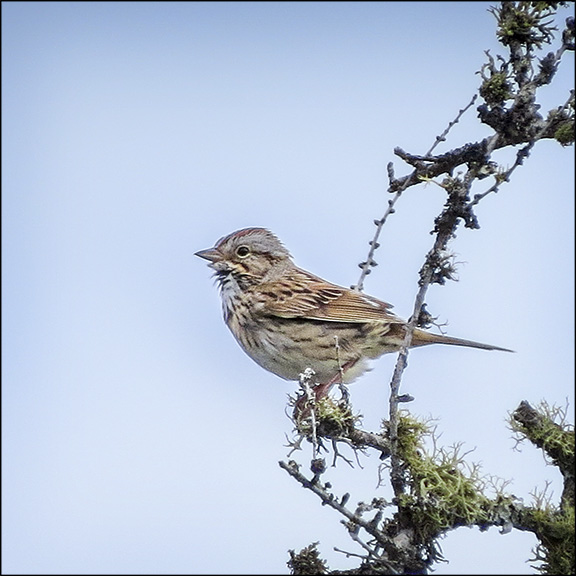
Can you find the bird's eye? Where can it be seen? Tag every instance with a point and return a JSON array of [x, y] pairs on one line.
[[242, 251]]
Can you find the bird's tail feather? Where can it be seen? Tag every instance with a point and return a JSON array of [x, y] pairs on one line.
[[422, 338]]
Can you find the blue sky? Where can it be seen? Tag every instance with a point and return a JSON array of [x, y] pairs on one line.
[[137, 436]]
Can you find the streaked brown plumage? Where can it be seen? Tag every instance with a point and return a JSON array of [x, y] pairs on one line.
[[287, 319]]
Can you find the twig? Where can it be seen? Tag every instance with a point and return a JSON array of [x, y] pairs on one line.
[[329, 499], [370, 262], [305, 378], [521, 155], [341, 386]]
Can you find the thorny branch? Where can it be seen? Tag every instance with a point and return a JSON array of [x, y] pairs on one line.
[[367, 265], [322, 491]]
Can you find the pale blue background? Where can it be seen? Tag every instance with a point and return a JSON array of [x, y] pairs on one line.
[[137, 437]]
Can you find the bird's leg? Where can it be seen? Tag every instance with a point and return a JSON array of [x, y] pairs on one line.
[[321, 390], [303, 404]]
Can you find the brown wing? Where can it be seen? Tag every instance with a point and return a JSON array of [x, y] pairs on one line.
[[304, 295]]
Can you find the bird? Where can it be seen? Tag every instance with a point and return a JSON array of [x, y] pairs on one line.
[[289, 320]]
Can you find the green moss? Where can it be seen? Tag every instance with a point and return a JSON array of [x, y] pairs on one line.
[[307, 561], [442, 493], [547, 430], [495, 90], [565, 133], [524, 22], [333, 419], [517, 28], [555, 530]]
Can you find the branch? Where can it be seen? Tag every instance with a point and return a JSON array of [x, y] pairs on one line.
[[555, 439]]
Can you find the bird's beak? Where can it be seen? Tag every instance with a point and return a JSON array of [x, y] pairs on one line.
[[210, 254]]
